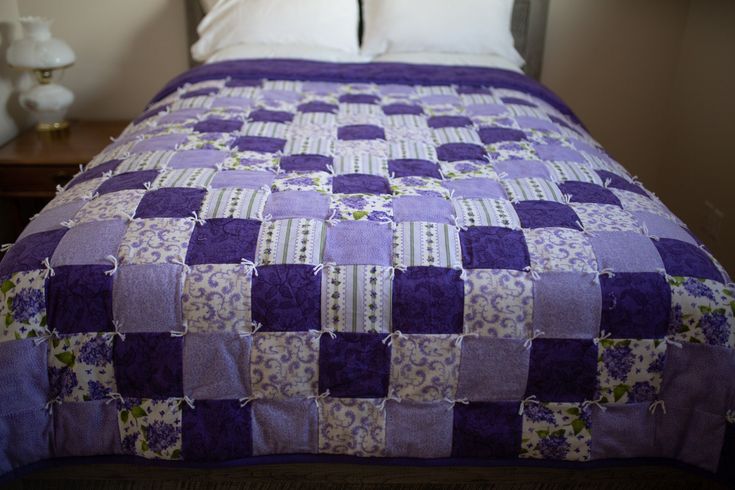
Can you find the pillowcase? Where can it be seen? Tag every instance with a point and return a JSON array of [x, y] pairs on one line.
[[452, 59], [271, 51], [328, 24], [443, 26]]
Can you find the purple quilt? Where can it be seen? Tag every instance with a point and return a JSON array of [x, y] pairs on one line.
[[379, 260]]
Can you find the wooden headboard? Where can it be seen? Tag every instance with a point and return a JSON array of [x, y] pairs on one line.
[[528, 26]]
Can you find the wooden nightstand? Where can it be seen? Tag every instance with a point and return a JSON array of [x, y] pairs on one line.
[[33, 164]]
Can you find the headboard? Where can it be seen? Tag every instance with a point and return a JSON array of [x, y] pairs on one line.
[[528, 26]]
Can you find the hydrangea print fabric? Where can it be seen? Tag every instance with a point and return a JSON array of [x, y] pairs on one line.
[[375, 260]]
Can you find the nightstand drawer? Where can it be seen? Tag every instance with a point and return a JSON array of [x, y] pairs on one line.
[[34, 181]]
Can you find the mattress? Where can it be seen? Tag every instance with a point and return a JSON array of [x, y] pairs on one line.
[[381, 260]]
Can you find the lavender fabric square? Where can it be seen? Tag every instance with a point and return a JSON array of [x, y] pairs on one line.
[[127, 181], [486, 430], [531, 122], [28, 254], [491, 247], [453, 152], [684, 259], [492, 369], [428, 300], [661, 227], [25, 437], [287, 298], [24, 383], [360, 132], [306, 163], [246, 179], [86, 429], [546, 214], [562, 370], [558, 153], [264, 115], [200, 92], [318, 106], [360, 184], [418, 430], [409, 168], [567, 305], [618, 182], [625, 251], [148, 365], [520, 169], [359, 243], [170, 202], [286, 426], [75, 248], [50, 219], [217, 125], [197, 158], [223, 241], [490, 136], [586, 192], [399, 109], [234, 104], [692, 436], [613, 428], [428, 209], [635, 305], [259, 144], [355, 365], [79, 299], [437, 122], [147, 298], [486, 109], [94, 172], [476, 188], [216, 430], [216, 366], [297, 204], [160, 143]]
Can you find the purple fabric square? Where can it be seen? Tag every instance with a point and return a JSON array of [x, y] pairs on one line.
[[402, 109], [359, 243], [233, 104], [25, 437], [486, 109], [246, 179], [216, 125], [258, 144], [215, 365], [170, 202], [661, 227], [497, 135], [150, 113], [181, 116], [476, 188], [127, 181], [492, 369], [306, 163], [625, 251], [216, 430], [517, 101], [79, 299], [520, 169], [86, 428], [546, 214], [160, 143], [147, 298], [94, 172], [558, 153], [453, 152], [567, 305], [318, 106], [76, 248], [437, 122], [684, 259], [355, 365], [617, 182], [410, 168], [562, 370], [264, 115], [24, 382], [473, 90], [197, 158], [148, 365], [286, 298], [360, 132], [530, 122], [360, 184], [199, 92], [359, 99], [487, 430], [586, 192], [418, 430], [428, 300], [243, 82], [297, 204], [692, 436], [635, 305], [28, 254], [50, 219], [287, 426], [614, 426], [223, 241], [491, 247], [422, 208]]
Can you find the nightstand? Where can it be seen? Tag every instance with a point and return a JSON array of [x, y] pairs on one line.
[[33, 164]]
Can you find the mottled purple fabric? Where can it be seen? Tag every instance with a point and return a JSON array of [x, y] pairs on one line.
[[297, 204], [486, 430], [449, 122], [170, 202], [558, 153], [661, 227], [567, 305], [428, 300], [86, 428], [361, 132], [94, 172], [617, 182], [258, 144], [684, 259], [491, 247], [160, 143], [200, 92], [418, 430], [51, 219], [492, 369], [215, 367], [562, 370], [546, 214], [625, 251], [422, 208], [217, 125], [360, 184], [287, 426], [223, 241], [264, 115], [519, 169], [216, 430], [79, 299], [317, 106], [148, 365], [586, 192], [198, 158], [493, 135], [615, 426], [359, 243], [358, 99], [306, 163], [287, 298], [246, 179], [452, 152], [476, 187], [75, 248], [24, 382], [402, 109], [147, 298], [25, 437], [127, 181], [411, 167], [28, 254], [635, 305], [355, 365]]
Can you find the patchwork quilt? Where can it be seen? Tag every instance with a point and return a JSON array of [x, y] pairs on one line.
[[378, 260]]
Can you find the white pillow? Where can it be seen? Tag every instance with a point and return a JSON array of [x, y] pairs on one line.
[[453, 59], [328, 24], [270, 51], [444, 26]]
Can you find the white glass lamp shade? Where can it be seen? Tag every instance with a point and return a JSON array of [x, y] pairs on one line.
[[37, 49]]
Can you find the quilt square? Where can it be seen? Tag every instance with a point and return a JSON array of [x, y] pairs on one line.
[[360, 163], [242, 179], [418, 430], [353, 426], [215, 366], [305, 163], [51, 219], [149, 160], [358, 243], [585, 192], [360, 184], [532, 189], [159, 143], [422, 208], [426, 244], [491, 135], [684, 259], [114, 205], [498, 303], [556, 431], [185, 178], [291, 241], [546, 214], [216, 430], [567, 305], [356, 298], [486, 430], [265, 115], [127, 181], [625, 251], [436, 122], [86, 428], [660, 227], [614, 426], [359, 99], [492, 369], [425, 368], [317, 106], [562, 370], [361, 132], [156, 241], [559, 250], [418, 186], [223, 241], [558, 153], [94, 172], [258, 144], [28, 253], [428, 300], [287, 298], [150, 428], [397, 109], [79, 299], [629, 371], [491, 247], [80, 367], [411, 150], [76, 248], [467, 137], [354, 365], [703, 311], [476, 188], [635, 305], [22, 305], [29, 435], [467, 170], [512, 152], [578, 172], [234, 203], [486, 212], [362, 207], [615, 181], [413, 167], [452, 152], [217, 125], [522, 169], [149, 365], [170, 203], [198, 159], [146, 298], [287, 426], [605, 218], [284, 364], [216, 298]]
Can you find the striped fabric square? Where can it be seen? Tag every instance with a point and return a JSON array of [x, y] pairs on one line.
[[192, 103], [324, 119], [523, 110], [426, 244], [284, 85], [443, 136], [356, 298], [234, 202], [291, 241], [411, 149], [361, 163], [151, 160], [561, 172], [308, 145], [186, 177], [532, 189], [405, 121], [243, 92], [486, 212], [265, 130]]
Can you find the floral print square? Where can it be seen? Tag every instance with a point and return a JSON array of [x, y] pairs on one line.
[[556, 431], [467, 170], [511, 150], [22, 305], [703, 311], [498, 303], [604, 217], [156, 241], [356, 298], [291, 241], [217, 298], [362, 207], [424, 368], [80, 367], [629, 371], [418, 186], [306, 181], [114, 205], [284, 364], [151, 428], [559, 250], [354, 426]]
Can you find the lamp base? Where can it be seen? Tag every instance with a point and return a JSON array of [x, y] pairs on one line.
[[48, 102], [46, 127]]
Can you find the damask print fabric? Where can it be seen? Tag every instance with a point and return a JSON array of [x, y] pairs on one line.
[[375, 260]]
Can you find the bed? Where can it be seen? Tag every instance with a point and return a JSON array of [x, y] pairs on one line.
[[284, 262]]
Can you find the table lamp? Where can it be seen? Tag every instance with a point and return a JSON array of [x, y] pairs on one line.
[[41, 53]]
